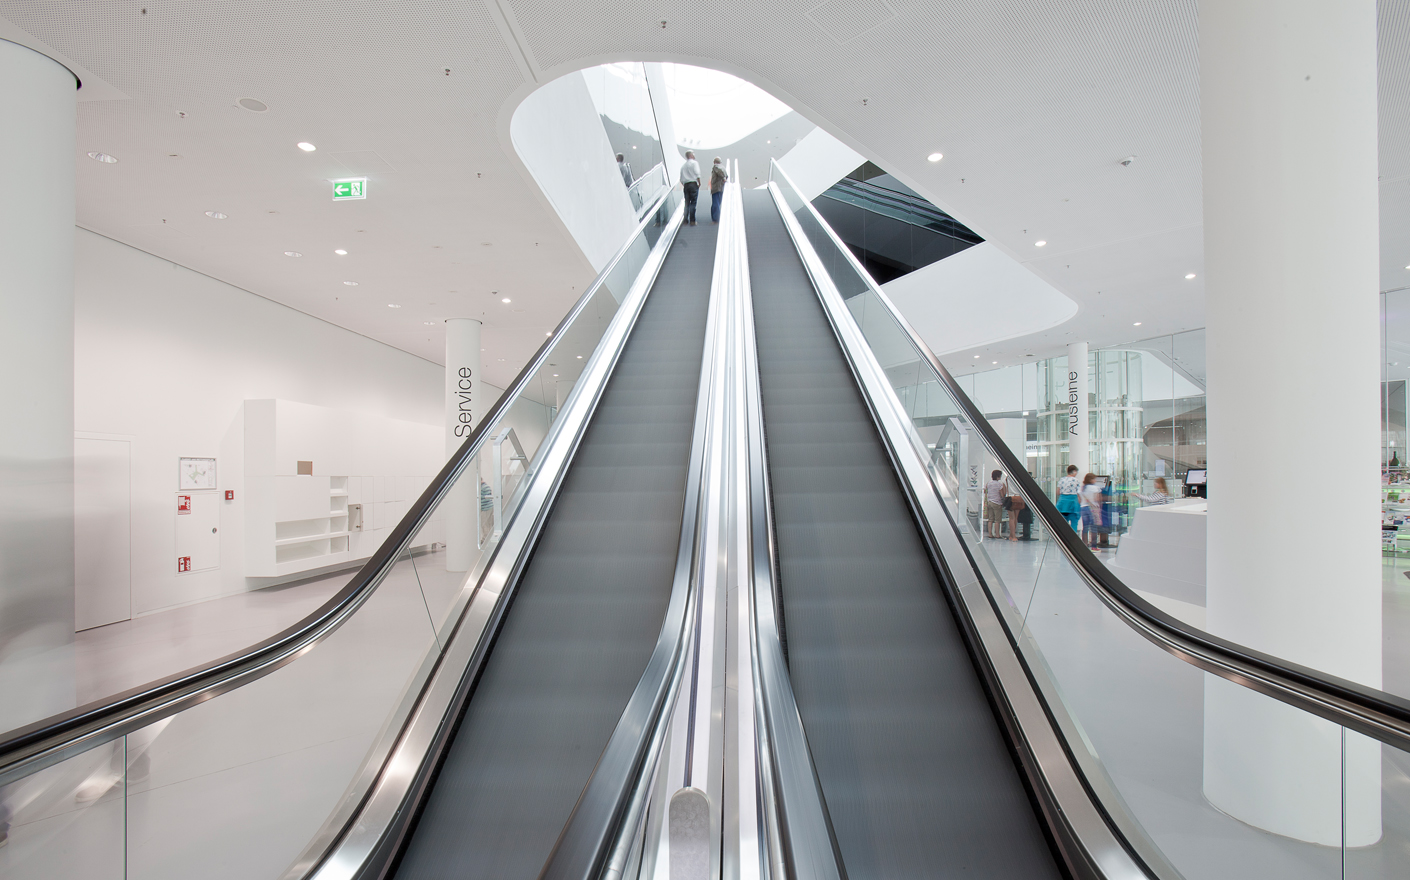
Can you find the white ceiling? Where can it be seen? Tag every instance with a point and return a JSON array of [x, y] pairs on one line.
[[1033, 104]]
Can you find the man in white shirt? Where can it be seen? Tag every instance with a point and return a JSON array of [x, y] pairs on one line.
[[690, 182]]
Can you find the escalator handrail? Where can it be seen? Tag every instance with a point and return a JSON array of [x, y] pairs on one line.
[[30, 748], [1367, 710]]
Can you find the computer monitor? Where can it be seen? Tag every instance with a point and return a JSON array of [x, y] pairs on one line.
[[1196, 476]]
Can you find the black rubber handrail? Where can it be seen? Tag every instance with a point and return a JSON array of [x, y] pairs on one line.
[[1369, 711], [27, 749]]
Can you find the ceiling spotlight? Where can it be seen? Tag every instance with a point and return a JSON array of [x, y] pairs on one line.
[[292, 254], [1039, 243], [994, 362], [550, 333], [340, 252], [350, 283], [1137, 324], [306, 146], [505, 300], [103, 157], [393, 306], [1025, 412], [580, 357], [976, 357], [216, 215], [1190, 277], [934, 157], [555, 375]]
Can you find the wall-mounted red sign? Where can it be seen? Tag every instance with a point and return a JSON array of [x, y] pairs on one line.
[[183, 503], [229, 494], [183, 563]]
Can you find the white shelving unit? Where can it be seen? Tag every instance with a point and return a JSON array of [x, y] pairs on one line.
[[299, 522]]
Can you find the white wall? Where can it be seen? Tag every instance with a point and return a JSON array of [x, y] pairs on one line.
[[559, 135], [818, 161], [167, 356], [977, 297]]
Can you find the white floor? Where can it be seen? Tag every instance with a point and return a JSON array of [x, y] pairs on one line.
[[1143, 712]]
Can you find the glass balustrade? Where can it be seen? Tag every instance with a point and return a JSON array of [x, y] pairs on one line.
[[1223, 781]]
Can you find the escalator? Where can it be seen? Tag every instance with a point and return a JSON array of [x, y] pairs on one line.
[[724, 615], [588, 608], [914, 768]]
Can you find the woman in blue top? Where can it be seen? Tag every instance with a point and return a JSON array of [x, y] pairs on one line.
[[1067, 502]]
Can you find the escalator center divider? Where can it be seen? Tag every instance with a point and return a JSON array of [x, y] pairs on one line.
[[588, 607]]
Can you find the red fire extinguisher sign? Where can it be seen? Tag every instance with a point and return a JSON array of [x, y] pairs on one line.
[[183, 504], [183, 563]]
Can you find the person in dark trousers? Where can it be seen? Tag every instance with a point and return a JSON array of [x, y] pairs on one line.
[[718, 178], [626, 171], [690, 182]]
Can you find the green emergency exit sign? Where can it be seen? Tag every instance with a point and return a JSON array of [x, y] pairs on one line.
[[352, 188]]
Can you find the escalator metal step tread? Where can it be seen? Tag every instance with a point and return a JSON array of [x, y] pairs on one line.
[[914, 768], [589, 608]]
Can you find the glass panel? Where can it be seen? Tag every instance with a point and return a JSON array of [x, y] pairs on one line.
[[1377, 800], [239, 785], [623, 101], [67, 820]]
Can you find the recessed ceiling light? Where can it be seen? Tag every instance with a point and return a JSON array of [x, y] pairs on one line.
[[995, 362], [1192, 275], [935, 157], [555, 375], [254, 105], [306, 146], [350, 283], [432, 324], [340, 252], [505, 300], [580, 357], [103, 157], [1039, 243], [548, 333], [1137, 324], [1025, 412], [976, 357], [216, 215], [292, 254], [393, 306]]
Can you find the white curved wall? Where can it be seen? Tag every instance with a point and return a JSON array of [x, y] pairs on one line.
[[977, 297]]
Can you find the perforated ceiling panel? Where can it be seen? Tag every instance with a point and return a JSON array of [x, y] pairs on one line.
[[1033, 103]]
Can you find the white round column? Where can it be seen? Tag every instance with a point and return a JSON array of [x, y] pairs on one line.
[[37, 125], [1078, 434], [1291, 232], [463, 410]]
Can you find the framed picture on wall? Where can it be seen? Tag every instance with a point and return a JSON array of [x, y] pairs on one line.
[[196, 473]]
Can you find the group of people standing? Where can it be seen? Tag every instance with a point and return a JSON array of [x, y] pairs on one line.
[[1080, 501], [690, 182]]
